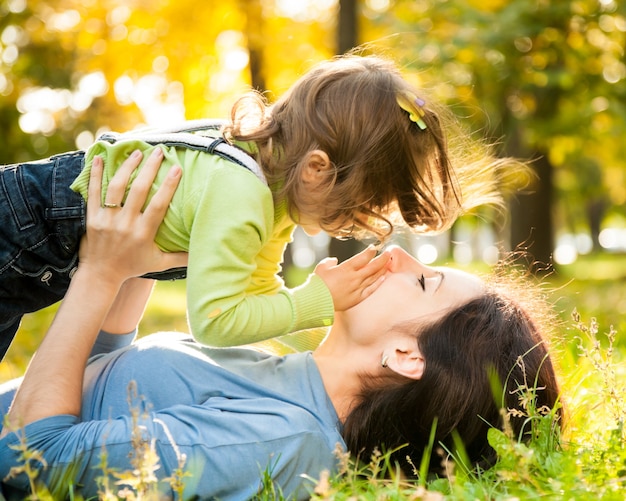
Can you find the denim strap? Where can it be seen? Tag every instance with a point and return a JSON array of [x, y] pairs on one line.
[[183, 136]]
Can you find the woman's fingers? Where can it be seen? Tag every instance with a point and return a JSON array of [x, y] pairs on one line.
[[156, 209], [117, 185], [120, 241], [143, 182], [94, 191]]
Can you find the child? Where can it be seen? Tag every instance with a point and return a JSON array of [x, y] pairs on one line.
[[350, 149]]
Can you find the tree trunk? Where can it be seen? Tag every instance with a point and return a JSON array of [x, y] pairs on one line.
[[253, 30], [347, 27], [531, 218], [596, 209]]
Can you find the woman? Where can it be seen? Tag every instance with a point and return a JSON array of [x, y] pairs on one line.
[[421, 346]]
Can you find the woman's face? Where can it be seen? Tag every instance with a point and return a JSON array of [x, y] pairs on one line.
[[411, 291]]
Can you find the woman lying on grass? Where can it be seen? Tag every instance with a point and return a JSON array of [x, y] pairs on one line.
[[425, 346]]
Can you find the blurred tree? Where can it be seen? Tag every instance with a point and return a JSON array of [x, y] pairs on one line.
[[347, 26], [547, 77], [253, 30], [72, 68], [35, 63], [89, 66]]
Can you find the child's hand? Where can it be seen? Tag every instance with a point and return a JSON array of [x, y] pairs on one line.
[[355, 279]]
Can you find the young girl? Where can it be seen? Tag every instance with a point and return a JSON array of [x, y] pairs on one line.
[[351, 149]]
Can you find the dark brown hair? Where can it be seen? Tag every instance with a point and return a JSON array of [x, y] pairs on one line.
[[386, 169], [490, 336]]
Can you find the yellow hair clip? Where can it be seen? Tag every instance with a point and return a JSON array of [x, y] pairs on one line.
[[413, 105]]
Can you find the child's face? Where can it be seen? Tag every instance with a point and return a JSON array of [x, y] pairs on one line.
[[309, 224]]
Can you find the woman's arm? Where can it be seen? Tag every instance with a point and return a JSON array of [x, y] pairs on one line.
[[119, 245], [119, 328], [129, 306]]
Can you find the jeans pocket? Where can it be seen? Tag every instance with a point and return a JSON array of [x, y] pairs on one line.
[[31, 283]]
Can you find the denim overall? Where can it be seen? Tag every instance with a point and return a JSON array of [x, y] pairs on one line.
[[42, 221]]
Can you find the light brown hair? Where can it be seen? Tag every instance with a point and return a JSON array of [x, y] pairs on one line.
[[386, 169]]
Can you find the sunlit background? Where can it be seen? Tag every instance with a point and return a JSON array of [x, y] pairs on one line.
[[542, 79], [545, 80]]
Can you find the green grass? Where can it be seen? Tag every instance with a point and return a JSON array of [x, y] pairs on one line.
[[596, 287], [589, 464]]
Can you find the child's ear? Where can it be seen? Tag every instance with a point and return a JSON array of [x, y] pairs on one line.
[[317, 165]]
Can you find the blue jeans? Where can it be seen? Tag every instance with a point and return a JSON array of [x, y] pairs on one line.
[[41, 224]]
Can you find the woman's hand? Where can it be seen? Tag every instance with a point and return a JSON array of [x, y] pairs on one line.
[[119, 243]]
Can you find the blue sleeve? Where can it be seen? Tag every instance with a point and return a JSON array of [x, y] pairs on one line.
[[107, 342], [246, 437]]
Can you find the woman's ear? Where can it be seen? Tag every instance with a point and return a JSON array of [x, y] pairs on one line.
[[407, 362], [317, 165]]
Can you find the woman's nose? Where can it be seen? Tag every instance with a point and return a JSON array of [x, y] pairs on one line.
[[400, 260]]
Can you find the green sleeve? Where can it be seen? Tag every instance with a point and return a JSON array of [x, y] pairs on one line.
[[234, 293]]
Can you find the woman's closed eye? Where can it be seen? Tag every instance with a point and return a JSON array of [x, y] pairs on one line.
[[422, 281]]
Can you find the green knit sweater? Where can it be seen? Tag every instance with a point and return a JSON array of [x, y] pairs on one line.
[[225, 217]]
